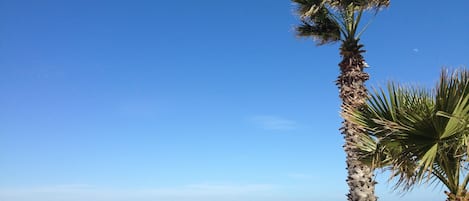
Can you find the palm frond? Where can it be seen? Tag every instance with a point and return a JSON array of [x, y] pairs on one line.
[[307, 6], [322, 33], [329, 20], [421, 136], [361, 4], [317, 22]]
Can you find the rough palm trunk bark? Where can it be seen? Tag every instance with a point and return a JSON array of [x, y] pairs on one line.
[[352, 91]]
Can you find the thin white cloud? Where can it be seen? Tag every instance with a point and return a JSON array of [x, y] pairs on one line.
[[270, 122], [415, 50]]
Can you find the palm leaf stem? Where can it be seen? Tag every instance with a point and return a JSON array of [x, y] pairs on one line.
[[356, 22], [465, 181], [442, 179], [341, 23]]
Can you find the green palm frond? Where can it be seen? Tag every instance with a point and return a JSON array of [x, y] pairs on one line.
[[322, 33], [362, 4], [420, 135], [317, 22], [308, 7], [327, 21]]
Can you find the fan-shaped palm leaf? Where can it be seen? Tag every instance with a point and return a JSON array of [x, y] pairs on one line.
[[419, 135]]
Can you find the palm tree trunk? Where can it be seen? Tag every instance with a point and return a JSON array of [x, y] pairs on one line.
[[352, 91]]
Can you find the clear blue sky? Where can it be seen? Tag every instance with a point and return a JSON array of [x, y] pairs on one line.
[[193, 100]]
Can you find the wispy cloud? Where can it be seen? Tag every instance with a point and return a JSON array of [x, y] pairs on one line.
[[270, 122], [415, 50]]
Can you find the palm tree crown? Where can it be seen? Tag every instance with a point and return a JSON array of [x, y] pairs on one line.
[[419, 135], [328, 21]]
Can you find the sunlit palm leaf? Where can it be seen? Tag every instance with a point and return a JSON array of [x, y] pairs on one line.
[[423, 136]]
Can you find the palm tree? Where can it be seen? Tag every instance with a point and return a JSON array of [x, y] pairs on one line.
[[419, 135], [329, 21]]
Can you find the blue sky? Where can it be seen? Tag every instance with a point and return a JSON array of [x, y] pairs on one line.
[[193, 100]]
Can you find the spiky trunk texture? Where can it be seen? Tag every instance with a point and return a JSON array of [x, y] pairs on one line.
[[352, 91]]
